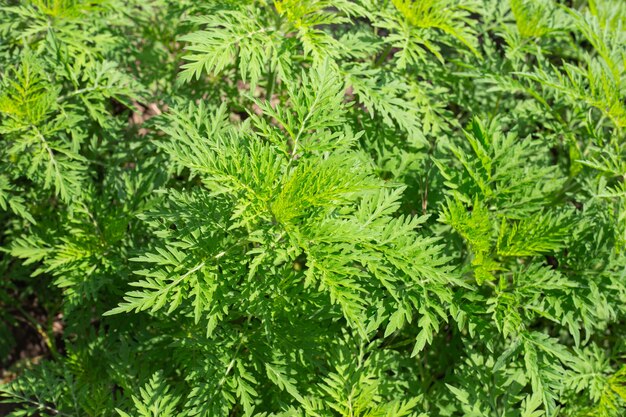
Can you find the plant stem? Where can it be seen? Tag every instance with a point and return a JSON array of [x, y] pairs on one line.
[[382, 56], [271, 80]]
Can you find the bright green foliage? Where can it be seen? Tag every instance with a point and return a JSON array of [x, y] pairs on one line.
[[350, 208]]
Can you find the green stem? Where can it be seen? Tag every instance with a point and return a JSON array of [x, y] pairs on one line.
[[28, 318], [382, 56], [271, 80]]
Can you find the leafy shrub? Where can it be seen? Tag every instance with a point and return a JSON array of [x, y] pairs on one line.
[[314, 208]]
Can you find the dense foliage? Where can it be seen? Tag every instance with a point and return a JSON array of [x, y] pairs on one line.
[[313, 207]]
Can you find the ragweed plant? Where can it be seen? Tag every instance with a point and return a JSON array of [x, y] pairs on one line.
[[313, 208]]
